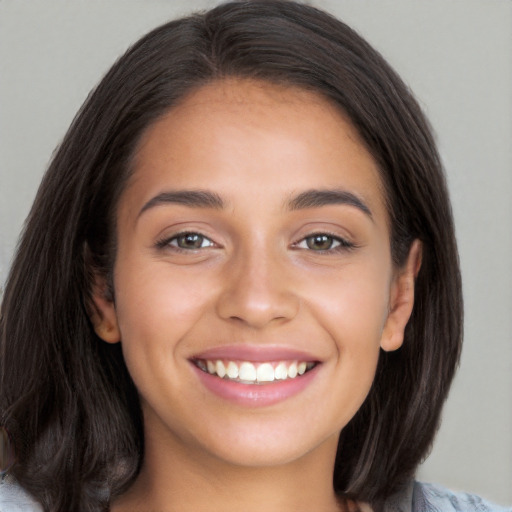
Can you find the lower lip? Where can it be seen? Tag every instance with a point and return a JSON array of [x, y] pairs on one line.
[[256, 395]]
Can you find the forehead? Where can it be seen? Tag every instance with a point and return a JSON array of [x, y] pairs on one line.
[[249, 104], [238, 133]]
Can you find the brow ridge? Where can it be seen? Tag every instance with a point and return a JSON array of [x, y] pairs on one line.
[[190, 198], [316, 198]]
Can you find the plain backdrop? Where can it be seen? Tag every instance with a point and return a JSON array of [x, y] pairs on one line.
[[457, 57]]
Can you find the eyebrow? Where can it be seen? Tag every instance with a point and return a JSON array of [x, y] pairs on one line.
[[318, 198], [190, 198], [307, 199]]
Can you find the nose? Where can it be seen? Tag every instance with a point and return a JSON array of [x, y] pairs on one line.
[[258, 291]]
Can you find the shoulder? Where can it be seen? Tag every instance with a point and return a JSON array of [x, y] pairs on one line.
[[13, 498], [436, 498], [421, 497]]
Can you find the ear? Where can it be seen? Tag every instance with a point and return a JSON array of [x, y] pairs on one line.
[[102, 312], [401, 300]]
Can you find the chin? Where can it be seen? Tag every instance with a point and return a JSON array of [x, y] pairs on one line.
[[267, 447]]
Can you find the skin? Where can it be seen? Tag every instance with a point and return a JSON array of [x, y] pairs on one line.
[[254, 281]]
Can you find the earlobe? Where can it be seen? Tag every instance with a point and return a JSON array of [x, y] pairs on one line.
[[102, 313], [401, 300]]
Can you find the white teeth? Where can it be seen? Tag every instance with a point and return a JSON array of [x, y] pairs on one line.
[[265, 373], [220, 369], [281, 371], [232, 370], [254, 373], [247, 372], [292, 371]]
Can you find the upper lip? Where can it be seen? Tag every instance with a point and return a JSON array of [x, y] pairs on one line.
[[255, 353]]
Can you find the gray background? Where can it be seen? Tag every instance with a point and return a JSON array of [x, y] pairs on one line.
[[455, 55]]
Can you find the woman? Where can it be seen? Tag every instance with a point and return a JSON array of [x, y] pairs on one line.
[[238, 284]]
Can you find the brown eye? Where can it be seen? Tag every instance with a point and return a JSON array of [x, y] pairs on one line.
[[324, 243], [190, 241], [320, 242]]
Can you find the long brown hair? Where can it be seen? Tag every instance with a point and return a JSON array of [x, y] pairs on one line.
[[66, 397]]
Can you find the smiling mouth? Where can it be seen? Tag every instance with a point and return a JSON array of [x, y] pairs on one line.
[[247, 372]]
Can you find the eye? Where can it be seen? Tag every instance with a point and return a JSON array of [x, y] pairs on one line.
[[186, 241], [323, 242]]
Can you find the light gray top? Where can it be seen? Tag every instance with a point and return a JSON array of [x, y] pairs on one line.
[[13, 498], [418, 497], [421, 497]]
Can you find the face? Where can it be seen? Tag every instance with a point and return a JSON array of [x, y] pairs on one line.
[[254, 286]]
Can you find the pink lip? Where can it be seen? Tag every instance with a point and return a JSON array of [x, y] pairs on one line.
[[256, 354], [255, 395]]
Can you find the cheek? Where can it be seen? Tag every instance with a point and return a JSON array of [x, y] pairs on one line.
[[156, 309], [352, 304], [158, 305]]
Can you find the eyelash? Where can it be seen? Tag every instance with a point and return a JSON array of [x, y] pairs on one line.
[[343, 244]]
